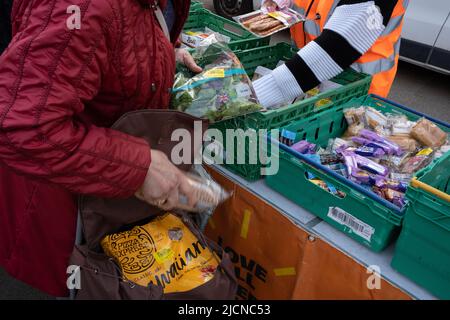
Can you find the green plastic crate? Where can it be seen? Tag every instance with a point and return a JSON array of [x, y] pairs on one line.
[[241, 39], [422, 251], [354, 85], [370, 219], [195, 5]]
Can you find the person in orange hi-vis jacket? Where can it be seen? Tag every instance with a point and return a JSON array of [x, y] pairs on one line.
[[337, 34]]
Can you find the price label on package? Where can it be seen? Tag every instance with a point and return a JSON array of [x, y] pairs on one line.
[[215, 73]]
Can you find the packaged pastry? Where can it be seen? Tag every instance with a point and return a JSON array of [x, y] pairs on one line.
[[355, 115], [404, 142], [353, 130], [428, 134], [375, 118], [263, 23]]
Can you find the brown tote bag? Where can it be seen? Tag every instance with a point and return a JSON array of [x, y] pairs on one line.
[[100, 276]]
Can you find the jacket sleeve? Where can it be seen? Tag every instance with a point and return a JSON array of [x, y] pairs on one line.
[[48, 75], [351, 30]]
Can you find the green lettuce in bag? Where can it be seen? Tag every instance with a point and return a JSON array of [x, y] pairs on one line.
[[221, 91]]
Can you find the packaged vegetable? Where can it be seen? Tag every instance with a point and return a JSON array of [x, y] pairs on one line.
[[428, 134], [263, 23], [221, 91], [163, 252]]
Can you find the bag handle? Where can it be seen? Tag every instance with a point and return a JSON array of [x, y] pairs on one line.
[[161, 20]]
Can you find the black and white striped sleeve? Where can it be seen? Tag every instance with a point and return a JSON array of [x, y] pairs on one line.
[[350, 31]]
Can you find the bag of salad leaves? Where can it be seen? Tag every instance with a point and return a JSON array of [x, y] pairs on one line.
[[221, 91]]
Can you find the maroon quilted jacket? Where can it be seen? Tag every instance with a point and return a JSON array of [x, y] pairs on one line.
[[60, 90]]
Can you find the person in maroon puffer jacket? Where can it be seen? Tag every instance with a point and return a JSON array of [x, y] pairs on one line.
[[60, 89]]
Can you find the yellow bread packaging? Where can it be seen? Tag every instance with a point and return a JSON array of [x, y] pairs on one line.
[[162, 252]]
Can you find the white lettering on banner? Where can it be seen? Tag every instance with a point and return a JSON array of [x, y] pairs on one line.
[[242, 147], [374, 279], [74, 21], [74, 279], [357, 226]]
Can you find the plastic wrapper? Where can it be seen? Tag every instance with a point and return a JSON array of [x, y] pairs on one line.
[[287, 137], [392, 184], [428, 134], [263, 23], [329, 159], [353, 130], [376, 145], [418, 161], [364, 177], [392, 147], [327, 186], [260, 72], [209, 194], [370, 151], [404, 178], [196, 38], [163, 252], [371, 166], [375, 118], [401, 127], [304, 146], [396, 162], [221, 91], [440, 152], [337, 144], [355, 115], [396, 197], [404, 142]]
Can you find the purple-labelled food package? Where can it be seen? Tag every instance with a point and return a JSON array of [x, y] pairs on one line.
[[392, 184], [350, 162], [327, 159], [371, 166], [369, 143], [367, 151], [304, 147], [377, 138], [365, 177]]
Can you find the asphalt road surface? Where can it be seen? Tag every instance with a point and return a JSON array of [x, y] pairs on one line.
[[420, 89]]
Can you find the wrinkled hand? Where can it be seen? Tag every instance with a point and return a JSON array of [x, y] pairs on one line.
[[184, 57], [164, 183]]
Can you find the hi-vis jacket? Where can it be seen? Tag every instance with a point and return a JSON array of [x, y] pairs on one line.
[[380, 60]]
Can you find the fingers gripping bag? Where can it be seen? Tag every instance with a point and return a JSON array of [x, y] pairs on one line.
[[221, 91], [163, 252]]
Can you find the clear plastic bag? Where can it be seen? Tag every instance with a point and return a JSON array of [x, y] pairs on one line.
[[221, 91]]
